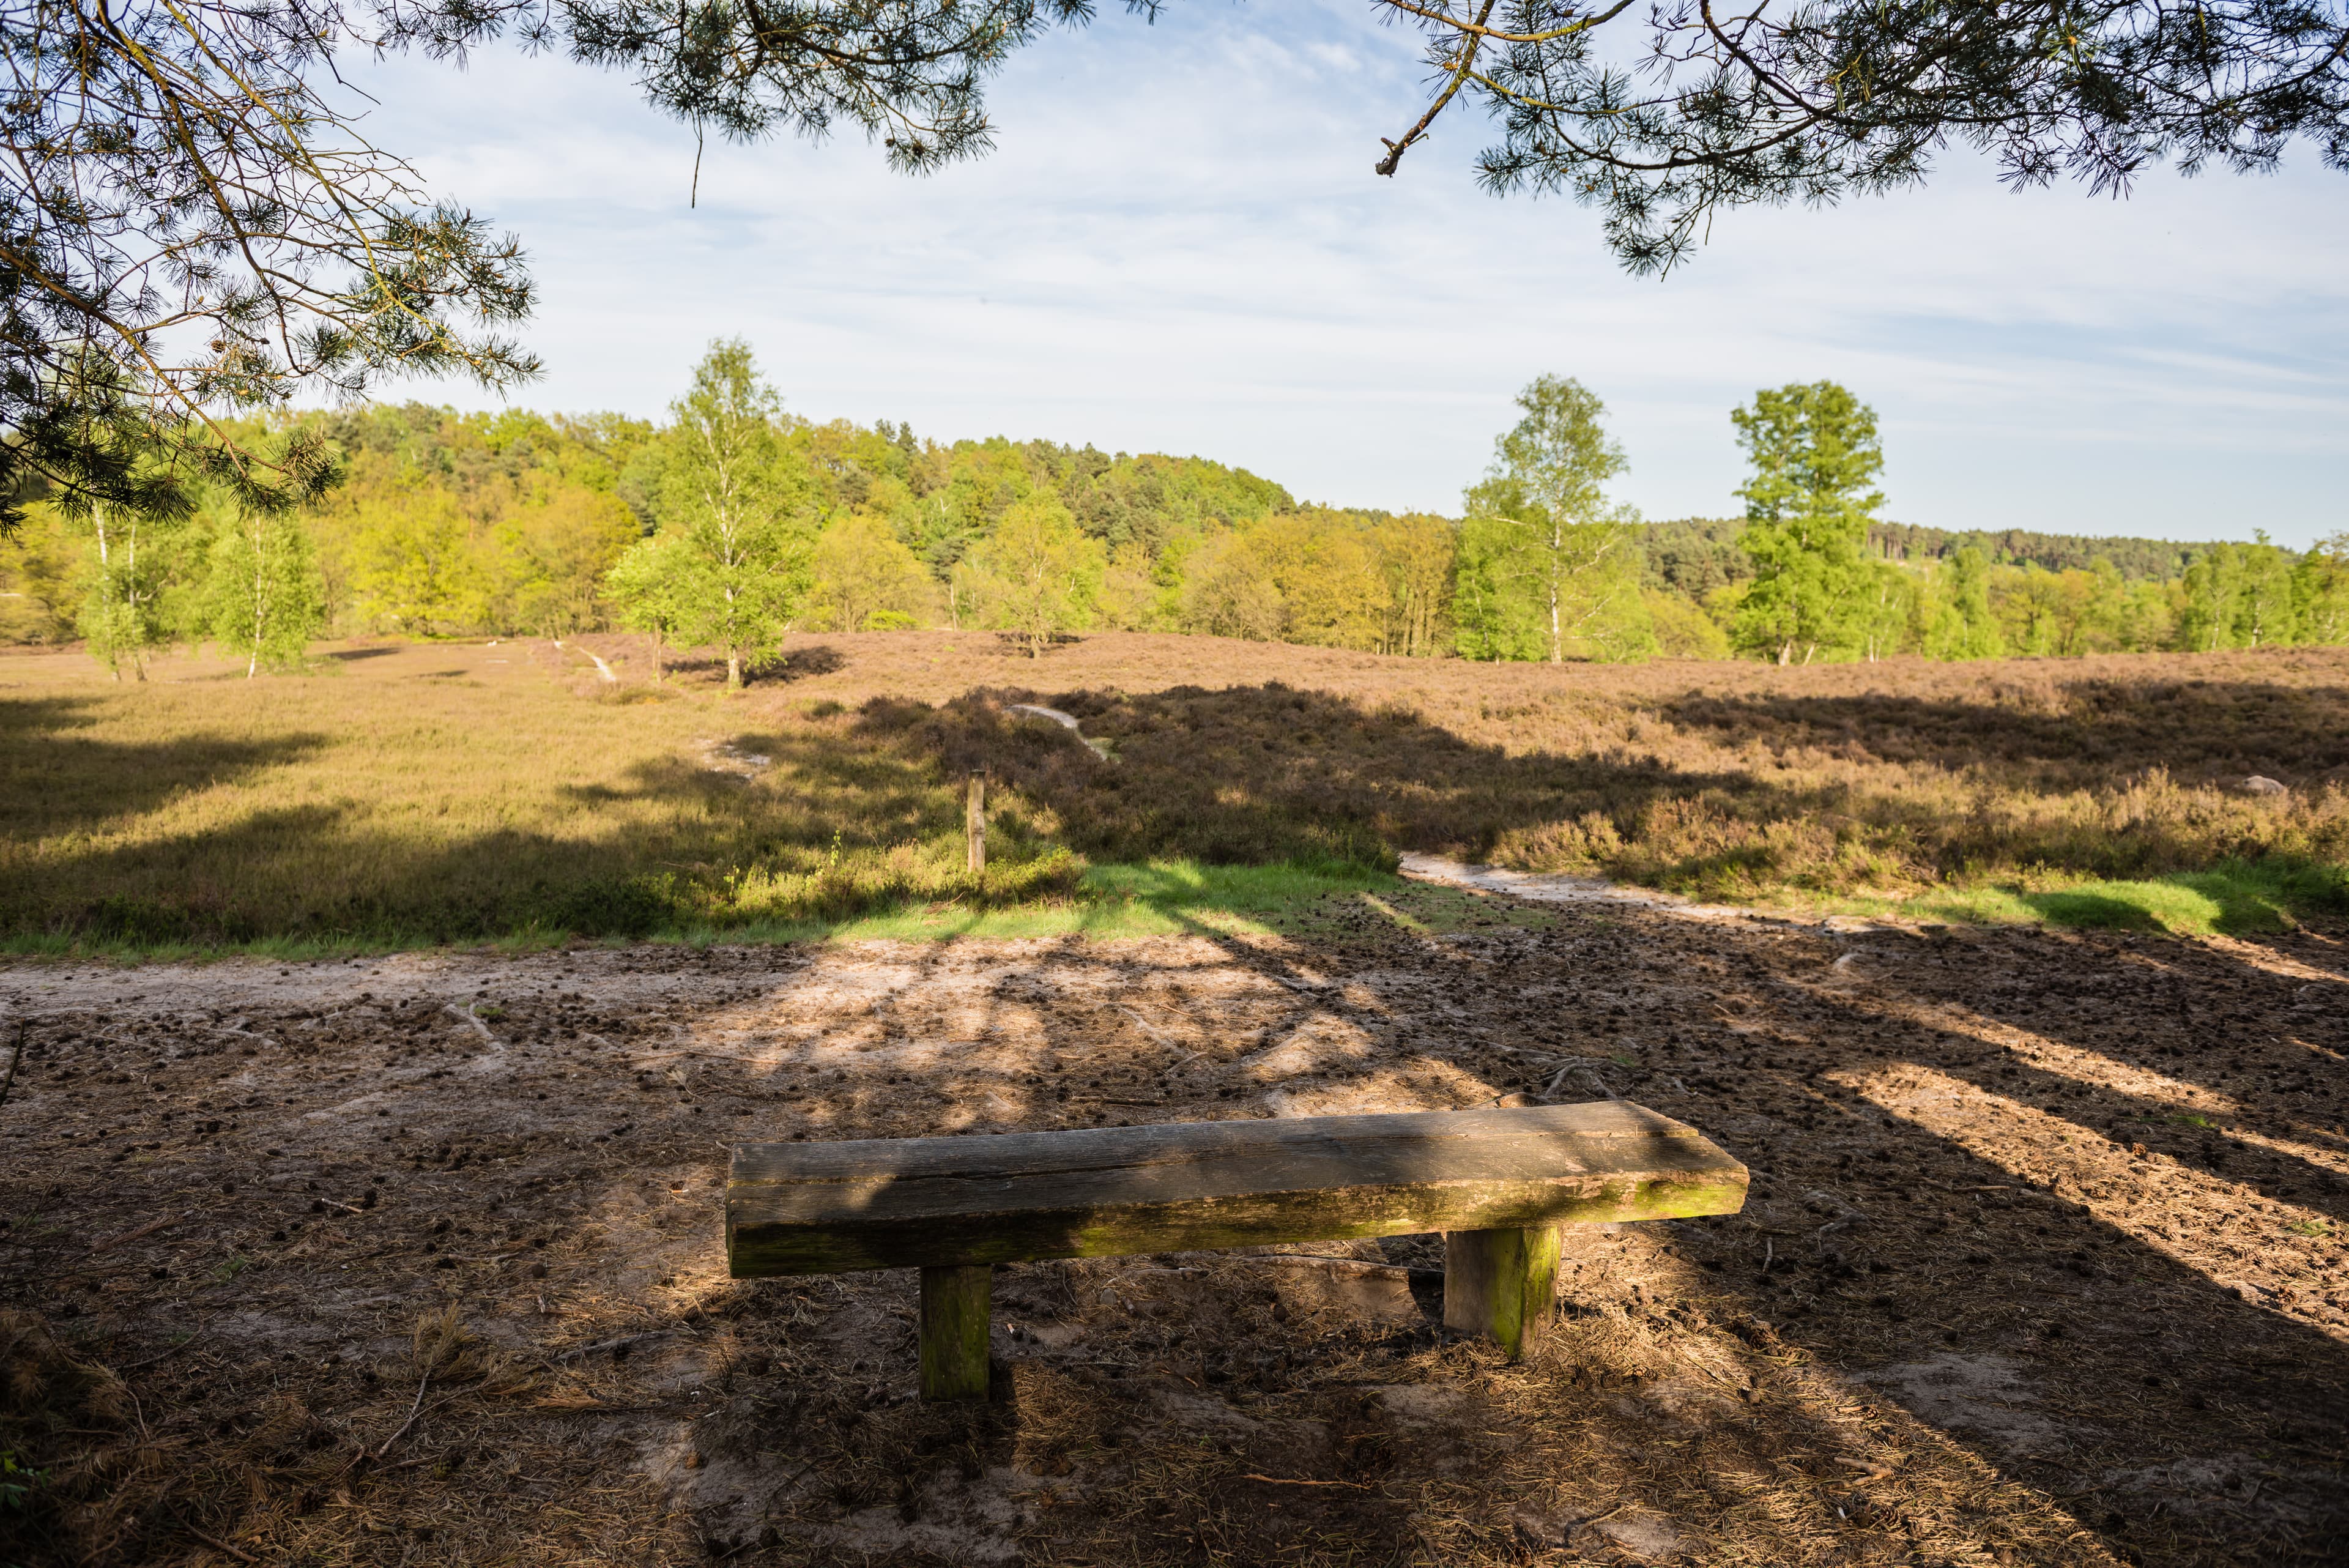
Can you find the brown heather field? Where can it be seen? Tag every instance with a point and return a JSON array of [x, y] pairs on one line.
[[356, 1259], [1725, 781], [460, 791]]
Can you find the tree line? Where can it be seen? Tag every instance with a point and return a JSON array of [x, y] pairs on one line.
[[733, 522]]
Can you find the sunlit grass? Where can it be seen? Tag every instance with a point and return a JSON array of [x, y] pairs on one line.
[[2233, 899], [1165, 898]]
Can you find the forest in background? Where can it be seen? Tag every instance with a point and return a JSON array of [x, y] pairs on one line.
[[449, 525]]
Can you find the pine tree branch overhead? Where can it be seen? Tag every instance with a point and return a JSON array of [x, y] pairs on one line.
[[1717, 108], [191, 223]]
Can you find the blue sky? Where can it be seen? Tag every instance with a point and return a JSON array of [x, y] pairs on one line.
[[1179, 247]]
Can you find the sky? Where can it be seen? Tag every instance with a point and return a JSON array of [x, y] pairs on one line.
[[1179, 245]]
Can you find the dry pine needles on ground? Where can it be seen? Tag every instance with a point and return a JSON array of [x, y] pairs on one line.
[[417, 1259]]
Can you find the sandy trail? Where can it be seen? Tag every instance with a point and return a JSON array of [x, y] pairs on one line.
[[2042, 1262]]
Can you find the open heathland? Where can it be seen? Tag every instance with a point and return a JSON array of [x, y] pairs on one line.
[[430, 793], [419, 1258], [351, 1256]]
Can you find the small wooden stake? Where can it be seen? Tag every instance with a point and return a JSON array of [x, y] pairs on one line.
[[1499, 1283], [974, 820], [954, 1331]]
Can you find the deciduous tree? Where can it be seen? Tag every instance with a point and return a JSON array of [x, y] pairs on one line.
[[2238, 596], [2320, 591], [866, 579], [1555, 564], [650, 587], [742, 506], [1036, 576], [1415, 554], [1815, 459], [264, 593], [1958, 620], [135, 563]]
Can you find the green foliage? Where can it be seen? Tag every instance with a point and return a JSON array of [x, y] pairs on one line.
[[449, 525], [264, 595], [40, 579], [2320, 591], [17, 1482], [1682, 629], [452, 524], [1815, 460], [1545, 564], [1694, 557], [866, 579], [2137, 560], [1036, 574], [1955, 609], [2238, 596], [134, 571], [742, 508]]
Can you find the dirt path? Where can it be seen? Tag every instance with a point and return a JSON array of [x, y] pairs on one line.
[[2042, 1265]]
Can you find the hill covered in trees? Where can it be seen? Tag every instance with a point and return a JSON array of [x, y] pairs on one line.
[[460, 524]]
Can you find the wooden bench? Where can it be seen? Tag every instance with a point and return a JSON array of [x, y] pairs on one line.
[[1498, 1183]]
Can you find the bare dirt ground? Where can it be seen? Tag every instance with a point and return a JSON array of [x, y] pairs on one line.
[[418, 1260]]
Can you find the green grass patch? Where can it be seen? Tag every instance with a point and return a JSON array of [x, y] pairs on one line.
[[1332, 902], [1174, 898], [2234, 898]]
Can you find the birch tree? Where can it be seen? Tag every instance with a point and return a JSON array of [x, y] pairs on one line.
[[743, 508], [266, 599], [1550, 564], [1036, 576], [1815, 459], [121, 618]]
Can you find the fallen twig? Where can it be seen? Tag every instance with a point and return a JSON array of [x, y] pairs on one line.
[[1291, 1480], [1582, 1064], [149, 1229], [472, 1018], [413, 1411], [214, 1541], [1144, 1026]]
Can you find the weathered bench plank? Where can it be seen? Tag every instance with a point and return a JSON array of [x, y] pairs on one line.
[[1497, 1182], [833, 1208]]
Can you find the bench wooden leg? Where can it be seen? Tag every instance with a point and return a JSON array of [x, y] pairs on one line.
[[954, 1331], [1499, 1283]]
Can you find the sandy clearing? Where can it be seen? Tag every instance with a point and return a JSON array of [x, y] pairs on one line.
[[1987, 1238]]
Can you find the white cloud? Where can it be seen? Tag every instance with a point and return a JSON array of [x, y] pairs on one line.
[[1179, 245]]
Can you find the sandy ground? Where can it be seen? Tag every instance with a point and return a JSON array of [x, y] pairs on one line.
[[417, 1259]]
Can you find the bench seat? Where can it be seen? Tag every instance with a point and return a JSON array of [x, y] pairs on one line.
[[1496, 1182]]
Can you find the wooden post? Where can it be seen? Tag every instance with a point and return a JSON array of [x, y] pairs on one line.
[[954, 1331], [1499, 1283], [974, 820]]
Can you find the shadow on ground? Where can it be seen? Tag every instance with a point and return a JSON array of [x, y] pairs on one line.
[[2042, 1262]]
